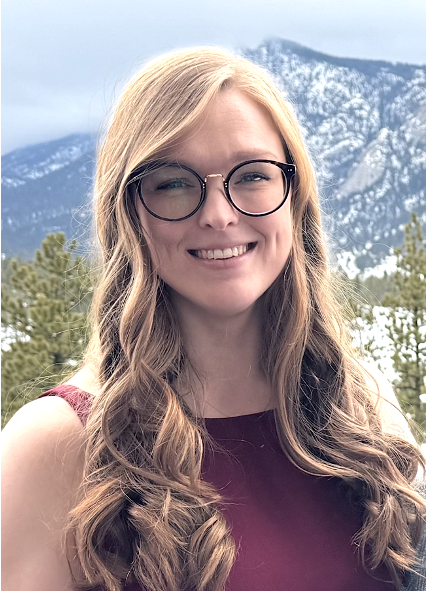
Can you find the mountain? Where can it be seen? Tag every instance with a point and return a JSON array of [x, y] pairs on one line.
[[365, 125], [46, 188]]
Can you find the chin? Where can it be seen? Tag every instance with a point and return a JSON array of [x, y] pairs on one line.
[[218, 306], [231, 310]]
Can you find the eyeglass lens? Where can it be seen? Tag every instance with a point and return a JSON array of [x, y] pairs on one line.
[[173, 192]]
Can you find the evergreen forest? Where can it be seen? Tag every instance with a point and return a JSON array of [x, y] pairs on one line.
[[46, 300]]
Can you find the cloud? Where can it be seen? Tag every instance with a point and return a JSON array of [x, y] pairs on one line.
[[64, 62]]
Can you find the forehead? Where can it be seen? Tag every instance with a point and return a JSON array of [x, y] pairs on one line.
[[233, 128]]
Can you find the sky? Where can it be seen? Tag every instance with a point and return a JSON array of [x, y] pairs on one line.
[[64, 62]]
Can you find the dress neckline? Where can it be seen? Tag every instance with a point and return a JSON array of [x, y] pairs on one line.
[[246, 416], [71, 389]]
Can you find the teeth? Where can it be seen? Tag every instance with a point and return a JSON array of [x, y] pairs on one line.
[[222, 253]]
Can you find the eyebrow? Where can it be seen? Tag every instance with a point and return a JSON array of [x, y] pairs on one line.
[[253, 155], [241, 156]]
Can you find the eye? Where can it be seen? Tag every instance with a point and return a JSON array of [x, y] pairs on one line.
[[170, 181], [251, 177], [172, 184]]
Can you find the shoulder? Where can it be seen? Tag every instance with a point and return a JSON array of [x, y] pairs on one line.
[[42, 422], [42, 467], [43, 436], [79, 392]]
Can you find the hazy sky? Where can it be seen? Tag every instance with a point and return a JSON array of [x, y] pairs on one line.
[[65, 61]]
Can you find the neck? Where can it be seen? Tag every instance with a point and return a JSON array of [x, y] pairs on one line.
[[226, 378]]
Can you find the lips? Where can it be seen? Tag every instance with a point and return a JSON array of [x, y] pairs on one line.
[[226, 253]]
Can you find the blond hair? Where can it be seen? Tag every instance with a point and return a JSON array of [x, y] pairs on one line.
[[145, 515]]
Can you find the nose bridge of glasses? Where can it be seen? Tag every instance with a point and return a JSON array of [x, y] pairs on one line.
[[222, 185], [213, 175], [223, 191]]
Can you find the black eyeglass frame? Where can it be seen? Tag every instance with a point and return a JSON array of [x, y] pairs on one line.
[[288, 170]]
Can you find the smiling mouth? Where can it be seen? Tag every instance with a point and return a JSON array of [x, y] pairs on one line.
[[227, 253]]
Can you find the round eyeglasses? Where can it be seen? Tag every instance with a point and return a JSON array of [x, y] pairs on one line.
[[174, 192]]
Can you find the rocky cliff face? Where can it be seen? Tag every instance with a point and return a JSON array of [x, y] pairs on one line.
[[365, 125]]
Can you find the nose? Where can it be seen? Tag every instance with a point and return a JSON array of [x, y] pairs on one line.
[[217, 212]]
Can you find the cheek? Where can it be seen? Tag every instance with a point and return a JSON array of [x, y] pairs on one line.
[[286, 225], [155, 236], [278, 229], [163, 239], [282, 237], [284, 244]]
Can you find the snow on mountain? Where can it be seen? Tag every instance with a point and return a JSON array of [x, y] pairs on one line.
[[34, 162], [365, 126], [46, 188]]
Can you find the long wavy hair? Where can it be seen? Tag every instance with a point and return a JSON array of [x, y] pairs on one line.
[[145, 515]]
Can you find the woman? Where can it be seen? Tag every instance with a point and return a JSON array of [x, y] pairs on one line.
[[221, 434]]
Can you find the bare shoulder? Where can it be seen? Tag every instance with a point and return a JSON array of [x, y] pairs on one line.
[[46, 426], [393, 419], [42, 466]]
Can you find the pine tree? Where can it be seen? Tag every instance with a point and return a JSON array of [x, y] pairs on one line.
[[407, 323], [44, 311]]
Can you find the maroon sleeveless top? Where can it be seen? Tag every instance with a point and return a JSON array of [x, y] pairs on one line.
[[292, 530]]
